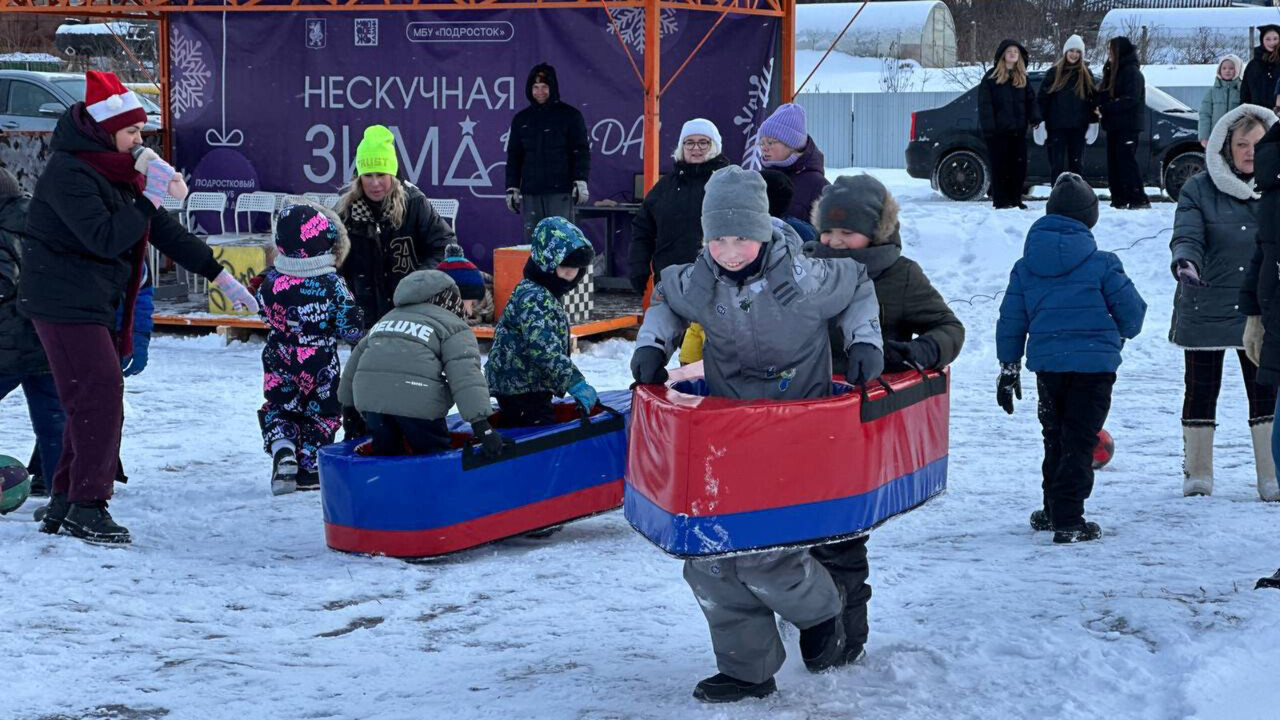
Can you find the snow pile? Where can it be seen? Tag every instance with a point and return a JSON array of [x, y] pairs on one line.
[[229, 604]]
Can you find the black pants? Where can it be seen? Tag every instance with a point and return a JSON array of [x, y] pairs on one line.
[[526, 409], [847, 563], [395, 435], [1124, 175], [1203, 380], [1066, 152], [1008, 153], [1073, 407]]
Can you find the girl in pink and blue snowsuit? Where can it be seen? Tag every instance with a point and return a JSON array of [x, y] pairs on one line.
[[308, 311]]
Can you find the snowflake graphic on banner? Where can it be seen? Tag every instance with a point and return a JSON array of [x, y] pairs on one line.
[[631, 25], [191, 74], [752, 114]]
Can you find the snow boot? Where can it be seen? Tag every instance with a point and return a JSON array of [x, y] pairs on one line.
[[38, 488], [308, 480], [1083, 532], [1197, 459], [91, 522], [52, 515], [823, 645], [1040, 521], [1268, 488], [1269, 582], [721, 688], [284, 472]]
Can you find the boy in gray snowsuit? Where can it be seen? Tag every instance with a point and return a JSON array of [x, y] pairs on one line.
[[764, 307]]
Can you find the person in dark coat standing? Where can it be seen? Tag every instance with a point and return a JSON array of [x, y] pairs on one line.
[[1263, 71], [1068, 106], [22, 360], [1006, 109], [95, 210], [393, 228], [858, 219], [667, 230], [1123, 103], [1070, 307], [548, 154], [785, 145], [1214, 235]]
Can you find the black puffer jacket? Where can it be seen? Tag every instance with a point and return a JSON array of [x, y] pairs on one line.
[[547, 149], [668, 228], [1065, 109], [381, 255], [1261, 283], [1003, 108], [1258, 86], [1124, 108], [81, 232], [20, 350]]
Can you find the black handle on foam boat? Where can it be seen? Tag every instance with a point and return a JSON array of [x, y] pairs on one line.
[[472, 458]]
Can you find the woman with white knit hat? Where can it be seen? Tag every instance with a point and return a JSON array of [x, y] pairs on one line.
[[1068, 106], [668, 228]]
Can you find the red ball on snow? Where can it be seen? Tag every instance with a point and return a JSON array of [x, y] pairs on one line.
[[1104, 450]]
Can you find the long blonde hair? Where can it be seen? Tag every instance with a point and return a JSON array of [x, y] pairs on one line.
[[1062, 74], [393, 205], [1018, 75]]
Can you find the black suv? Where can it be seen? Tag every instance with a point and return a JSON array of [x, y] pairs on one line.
[[947, 147]]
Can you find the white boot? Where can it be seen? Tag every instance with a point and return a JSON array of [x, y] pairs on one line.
[[1197, 460], [1262, 459]]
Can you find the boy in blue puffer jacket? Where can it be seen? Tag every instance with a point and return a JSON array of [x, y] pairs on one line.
[[1072, 307]]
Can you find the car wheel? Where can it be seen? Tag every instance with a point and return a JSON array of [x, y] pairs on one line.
[[1181, 169], [963, 175]]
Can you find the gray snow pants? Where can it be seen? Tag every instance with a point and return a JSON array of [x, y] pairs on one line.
[[536, 208], [739, 596]]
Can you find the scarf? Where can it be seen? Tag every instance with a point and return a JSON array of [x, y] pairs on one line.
[[366, 213], [117, 168], [783, 163], [556, 285], [450, 300], [305, 267]]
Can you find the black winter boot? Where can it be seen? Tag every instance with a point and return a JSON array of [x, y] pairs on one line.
[[1040, 521], [1269, 582], [1083, 532], [91, 522], [38, 488], [823, 645], [284, 472], [52, 515], [308, 480], [721, 688]]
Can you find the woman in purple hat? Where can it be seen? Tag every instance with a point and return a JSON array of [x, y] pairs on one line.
[[785, 145]]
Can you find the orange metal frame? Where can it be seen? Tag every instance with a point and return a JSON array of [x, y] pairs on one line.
[[651, 81]]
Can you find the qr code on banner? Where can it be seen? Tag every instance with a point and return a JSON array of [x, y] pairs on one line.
[[366, 32]]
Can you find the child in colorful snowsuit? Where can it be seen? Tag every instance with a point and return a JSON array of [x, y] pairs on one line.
[[1072, 307], [414, 364], [529, 362], [764, 307], [308, 311]]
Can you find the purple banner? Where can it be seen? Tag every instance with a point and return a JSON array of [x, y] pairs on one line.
[[279, 102]]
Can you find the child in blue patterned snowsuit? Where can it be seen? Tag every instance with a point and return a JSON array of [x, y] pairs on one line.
[[529, 362], [308, 311]]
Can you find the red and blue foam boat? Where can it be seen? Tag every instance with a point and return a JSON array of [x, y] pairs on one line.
[[428, 505], [715, 476]]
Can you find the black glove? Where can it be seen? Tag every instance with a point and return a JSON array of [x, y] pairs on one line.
[[866, 362], [649, 365], [1186, 273], [639, 283], [353, 425], [1009, 385], [491, 443], [922, 354]]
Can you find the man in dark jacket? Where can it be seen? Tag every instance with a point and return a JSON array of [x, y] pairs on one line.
[[1122, 99], [548, 153], [22, 359]]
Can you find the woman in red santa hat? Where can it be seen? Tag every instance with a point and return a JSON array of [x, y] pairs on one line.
[[96, 208]]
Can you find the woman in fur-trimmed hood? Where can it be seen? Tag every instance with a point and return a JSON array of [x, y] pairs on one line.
[[1214, 233]]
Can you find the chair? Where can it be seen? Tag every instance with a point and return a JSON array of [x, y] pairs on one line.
[[254, 202], [447, 209], [327, 200], [206, 202]]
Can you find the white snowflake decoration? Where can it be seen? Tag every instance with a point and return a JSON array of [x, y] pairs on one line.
[[191, 74], [631, 24]]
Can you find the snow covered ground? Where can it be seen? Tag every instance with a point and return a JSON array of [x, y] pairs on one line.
[[229, 605]]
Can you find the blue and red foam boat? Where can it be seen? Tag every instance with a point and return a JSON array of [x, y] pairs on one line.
[[428, 505], [715, 476]]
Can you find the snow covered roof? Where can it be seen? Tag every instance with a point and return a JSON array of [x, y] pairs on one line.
[[1177, 19], [21, 57], [878, 16], [119, 28]]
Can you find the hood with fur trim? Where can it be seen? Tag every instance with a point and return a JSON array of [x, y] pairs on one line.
[[1217, 152]]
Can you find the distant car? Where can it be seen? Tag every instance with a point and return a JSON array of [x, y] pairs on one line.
[[948, 148], [33, 101]]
